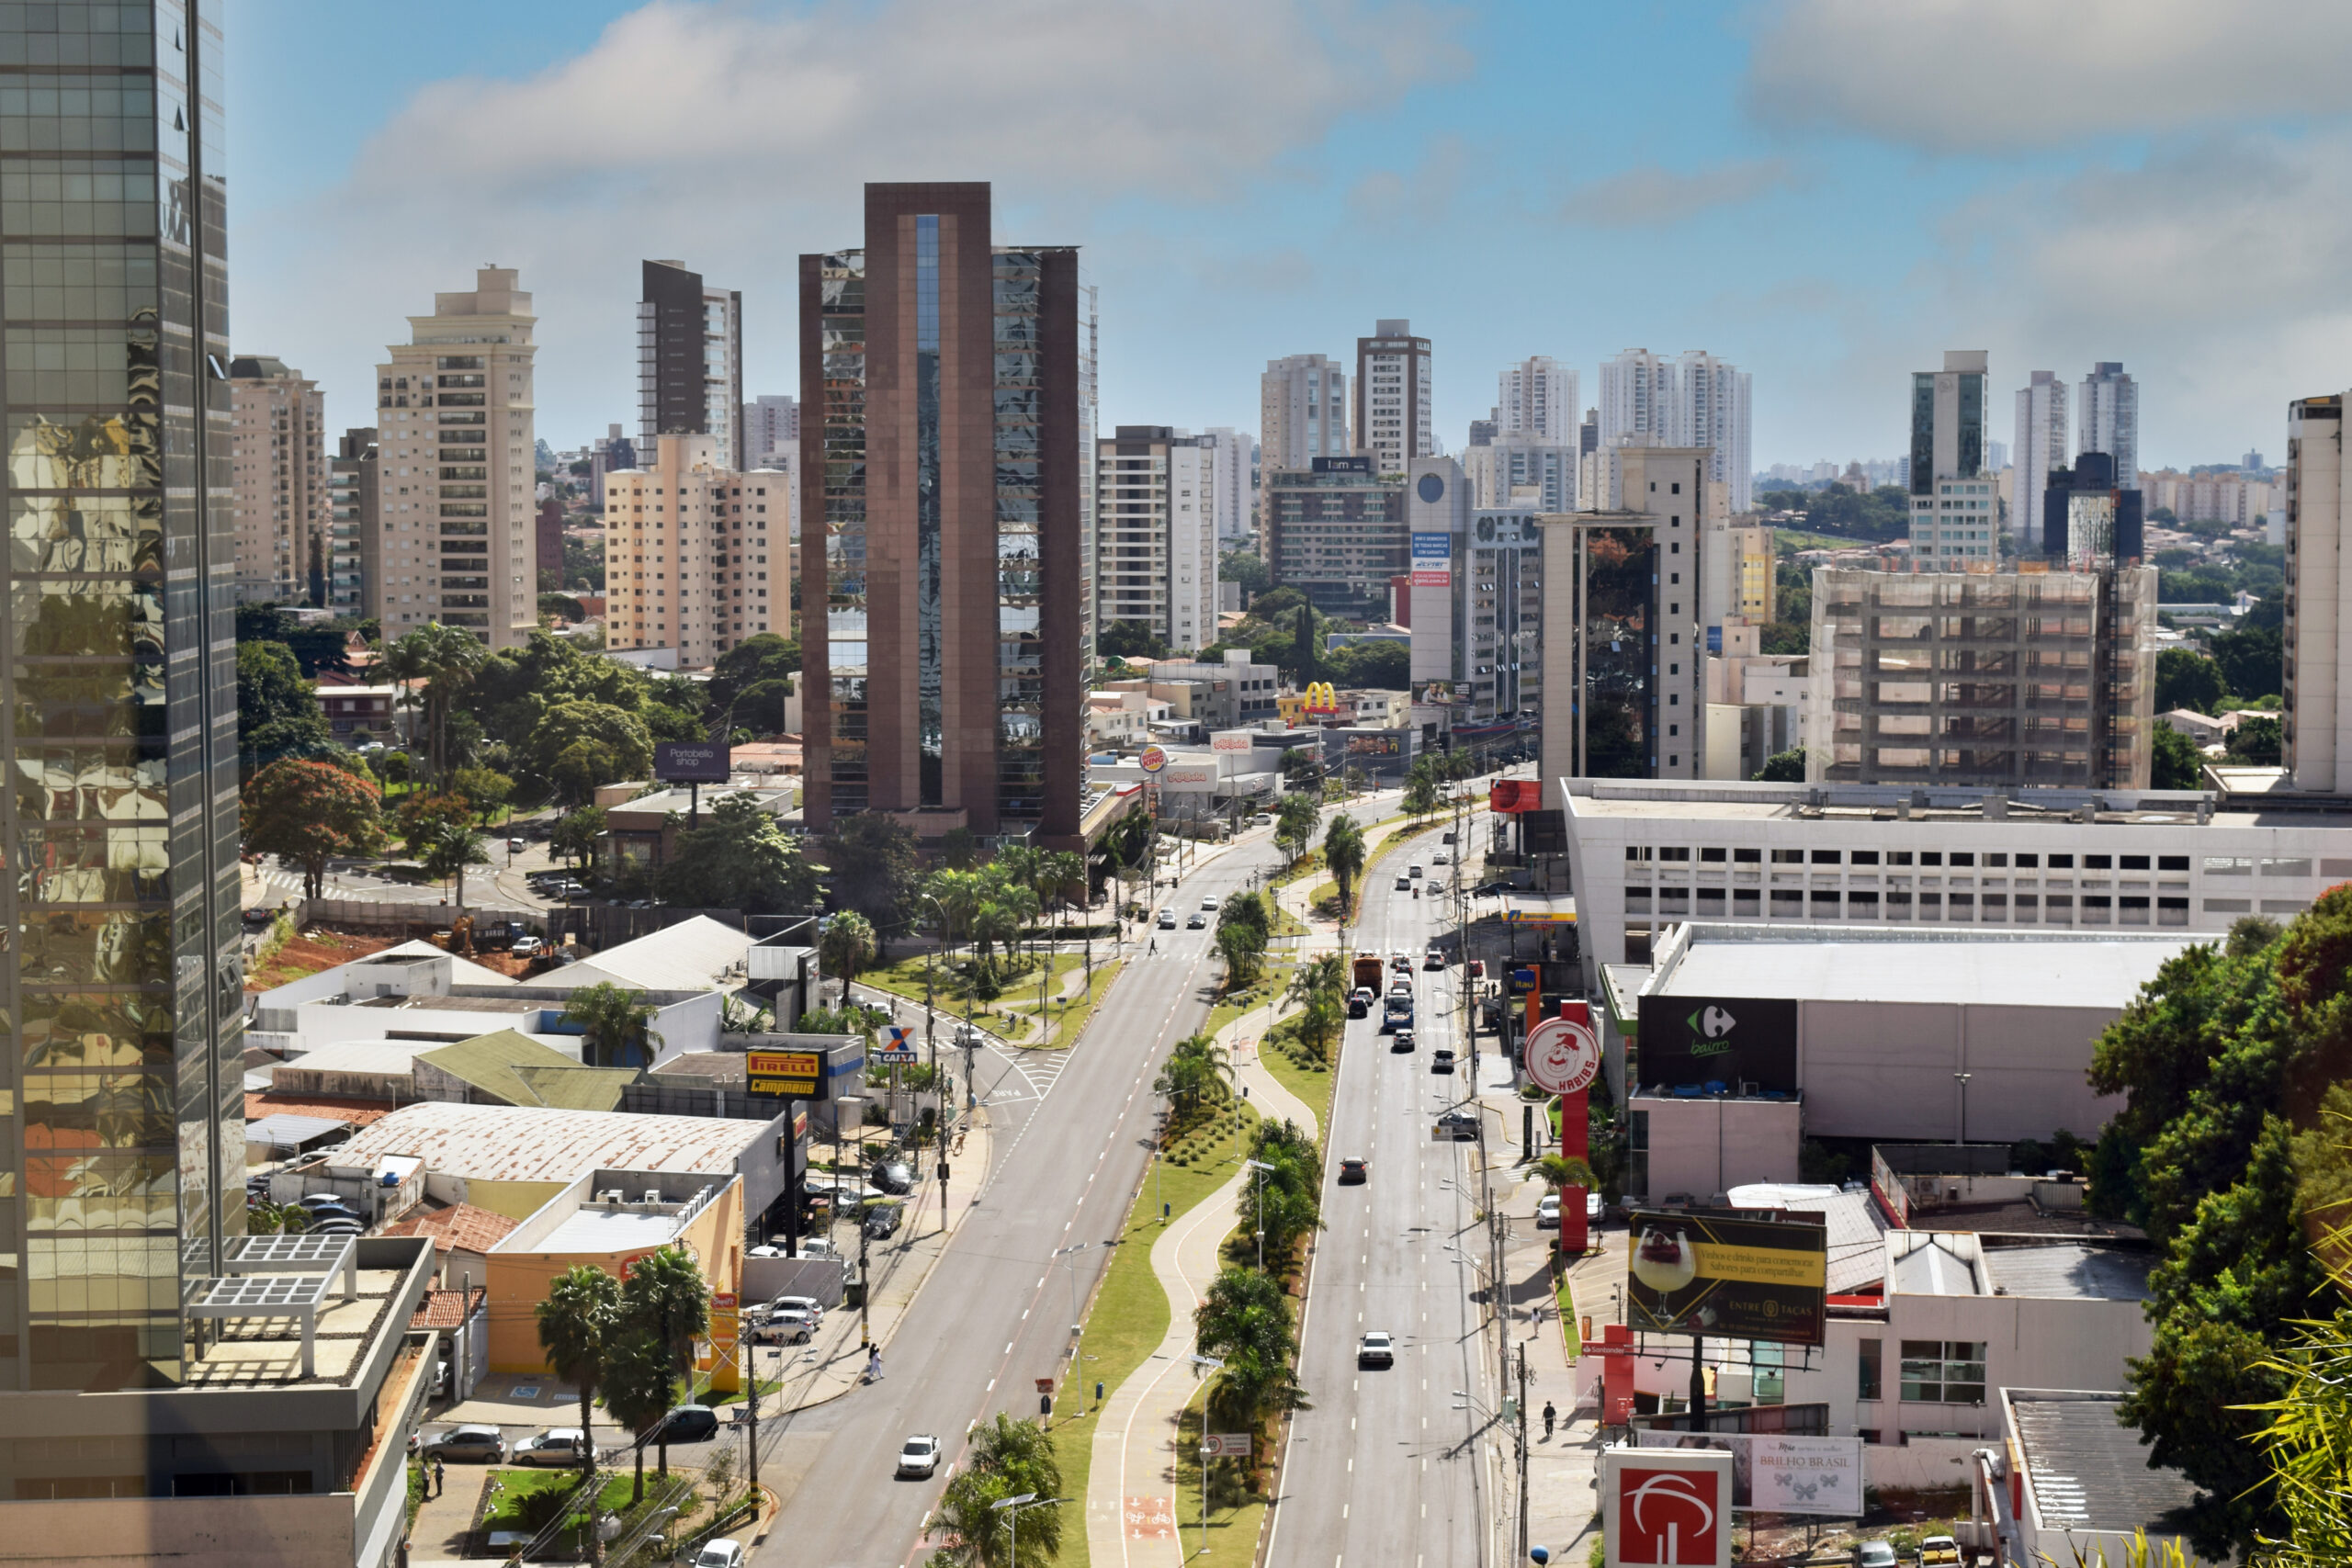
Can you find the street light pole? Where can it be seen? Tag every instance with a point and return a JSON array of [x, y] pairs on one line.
[[1961, 1078], [1206, 1364], [1258, 1169], [1026, 1500]]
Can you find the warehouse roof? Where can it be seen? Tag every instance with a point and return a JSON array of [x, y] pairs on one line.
[[2088, 1469], [2102, 970], [520, 1071], [693, 955], [511, 1142], [460, 1226]]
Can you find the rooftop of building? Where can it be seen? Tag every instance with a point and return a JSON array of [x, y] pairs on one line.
[[591, 1228], [459, 1227], [1942, 1263], [2087, 1469], [695, 954], [2016, 809], [773, 797], [509, 1142], [447, 1309], [266, 1350], [337, 1108], [1856, 1224], [521, 1071], [2089, 969]]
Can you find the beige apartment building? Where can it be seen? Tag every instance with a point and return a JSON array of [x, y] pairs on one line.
[[454, 483], [695, 553], [279, 467]]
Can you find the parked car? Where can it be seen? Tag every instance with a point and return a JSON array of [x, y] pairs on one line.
[[1442, 1063], [918, 1457], [554, 1448], [781, 1328], [720, 1554], [1458, 1124], [892, 1176], [1352, 1172], [691, 1424], [809, 1305], [529, 946], [480, 1445], [881, 1221], [1873, 1554], [1596, 1208], [323, 1200], [1478, 969], [1938, 1551], [1376, 1349], [1548, 1212]]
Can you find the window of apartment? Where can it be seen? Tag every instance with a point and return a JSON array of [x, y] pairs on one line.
[[1826, 857], [2098, 862], [2136, 863], [1996, 860], [1864, 857], [1637, 852], [1869, 1383], [2027, 863], [1964, 857], [1711, 856], [1680, 854], [1940, 1371], [1931, 857], [1898, 857], [2172, 863], [1746, 857], [1788, 857]]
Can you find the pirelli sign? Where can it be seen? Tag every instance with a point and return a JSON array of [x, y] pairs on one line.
[[797, 1073]]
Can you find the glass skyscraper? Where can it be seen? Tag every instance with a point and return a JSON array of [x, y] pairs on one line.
[[945, 580], [124, 1132]]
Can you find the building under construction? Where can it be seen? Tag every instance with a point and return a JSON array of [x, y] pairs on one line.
[[2042, 676]]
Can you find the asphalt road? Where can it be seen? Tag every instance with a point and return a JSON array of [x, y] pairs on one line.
[[1385, 1469], [995, 1314]]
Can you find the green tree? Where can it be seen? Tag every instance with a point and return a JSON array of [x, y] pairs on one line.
[[2177, 764], [306, 812], [1195, 1074], [1243, 567], [561, 606], [2306, 1441], [2257, 742], [1005, 1459], [1243, 948], [641, 1391], [1306, 656], [278, 711], [485, 791], [1784, 767], [445, 660], [1245, 1321], [575, 1321], [613, 745], [1291, 1192], [451, 848], [1294, 821], [1344, 851], [1380, 664], [740, 858], [874, 865], [666, 1301], [616, 1025], [749, 682], [576, 831], [2186, 679], [845, 947], [1130, 639], [2251, 655], [959, 850]]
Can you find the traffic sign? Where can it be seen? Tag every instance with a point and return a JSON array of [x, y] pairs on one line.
[[1563, 1055], [1225, 1445]]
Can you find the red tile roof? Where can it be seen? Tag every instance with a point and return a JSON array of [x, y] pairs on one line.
[[461, 1227], [358, 1112], [447, 1309]]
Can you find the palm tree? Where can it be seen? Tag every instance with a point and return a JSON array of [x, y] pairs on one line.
[[667, 1301], [1560, 1172], [448, 660], [1343, 852], [640, 1391], [1005, 1458], [1294, 827], [614, 1023], [1239, 945], [846, 947], [453, 847], [575, 1321]]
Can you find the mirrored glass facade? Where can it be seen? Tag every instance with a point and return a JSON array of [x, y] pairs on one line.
[[121, 1111], [1617, 630], [955, 423]]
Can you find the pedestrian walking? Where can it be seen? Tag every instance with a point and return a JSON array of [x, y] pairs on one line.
[[1550, 1415], [440, 1477], [873, 1365]]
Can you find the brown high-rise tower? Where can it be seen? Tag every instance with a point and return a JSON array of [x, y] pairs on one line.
[[944, 572]]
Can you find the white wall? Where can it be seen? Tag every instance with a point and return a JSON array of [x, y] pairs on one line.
[[1884, 1069], [1705, 1146]]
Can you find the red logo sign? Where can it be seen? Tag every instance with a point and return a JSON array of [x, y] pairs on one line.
[[1668, 1517], [1562, 1055]]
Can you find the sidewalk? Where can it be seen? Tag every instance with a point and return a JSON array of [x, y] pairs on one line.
[[1131, 1482]]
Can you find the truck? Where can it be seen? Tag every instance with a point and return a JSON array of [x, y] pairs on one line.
[[1396, 1009], [1368, 970]]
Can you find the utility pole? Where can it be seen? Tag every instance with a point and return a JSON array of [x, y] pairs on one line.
[[1523, 1451], [751, 1367]]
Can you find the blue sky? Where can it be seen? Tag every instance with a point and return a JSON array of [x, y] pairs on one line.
[[1828, 192]]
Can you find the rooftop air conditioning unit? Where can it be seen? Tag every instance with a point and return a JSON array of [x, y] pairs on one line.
[[652, 1195], [610, 1195]]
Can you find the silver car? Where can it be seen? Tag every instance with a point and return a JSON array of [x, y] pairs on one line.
[[919, 1457]]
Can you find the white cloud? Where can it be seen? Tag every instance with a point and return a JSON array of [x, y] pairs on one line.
[[736, 139], [2001, 75], [1649, 195]]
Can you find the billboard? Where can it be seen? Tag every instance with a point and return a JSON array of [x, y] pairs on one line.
[[1779, 1472], [1433, 560], [691, 762], [1511, 796], [1386, 744], [1665, 1507], [1703, 1272], [1189, 778], [784, 1071], [1727, 1039]]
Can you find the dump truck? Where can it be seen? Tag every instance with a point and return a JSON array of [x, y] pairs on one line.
[[1368, 970]]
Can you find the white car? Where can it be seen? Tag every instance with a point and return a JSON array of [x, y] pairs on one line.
[[789, 1327], [1547, 1212], [720, 1554], [918, 1457], [529, 946], [1376, 1349], [808, 1305], [1209, 903]]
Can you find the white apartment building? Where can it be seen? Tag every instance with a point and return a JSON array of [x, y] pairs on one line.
[[1229, 462], [1646, 856], [455, 441], [695, 555], [1636, 399], [1302, 411], [2110, 420], [1710, 408], [1526, 470], [771, 434], [1155, 533], [689, 362], [2041, 447], [1393, 422], [1538, 396], [279, 471], [2319, 599], [353, 533]]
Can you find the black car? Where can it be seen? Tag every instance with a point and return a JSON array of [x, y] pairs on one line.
[[1195, 921], [881, 1222], [690, 1424], [1352, 1172], [892, 1176], [1442, 1062]]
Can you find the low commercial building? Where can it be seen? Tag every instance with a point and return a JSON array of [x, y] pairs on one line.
[[2070, 1482], [642, 834], [1647, 856]]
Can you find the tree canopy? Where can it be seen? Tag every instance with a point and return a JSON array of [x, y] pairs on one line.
[[307, 812], [740, 858], [2186, 679], [277, 710]]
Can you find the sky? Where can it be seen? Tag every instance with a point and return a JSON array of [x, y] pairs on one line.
[[1827, 193]]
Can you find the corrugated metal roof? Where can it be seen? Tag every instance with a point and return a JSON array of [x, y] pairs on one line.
[[521, 1071], [284, 1131], [358, 1112], [360, 1056], [1857, 1229], [2088, 1469], [688, 956], [507, 1143]]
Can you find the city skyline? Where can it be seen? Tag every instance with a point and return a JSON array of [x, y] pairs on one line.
[[1293, 216]]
